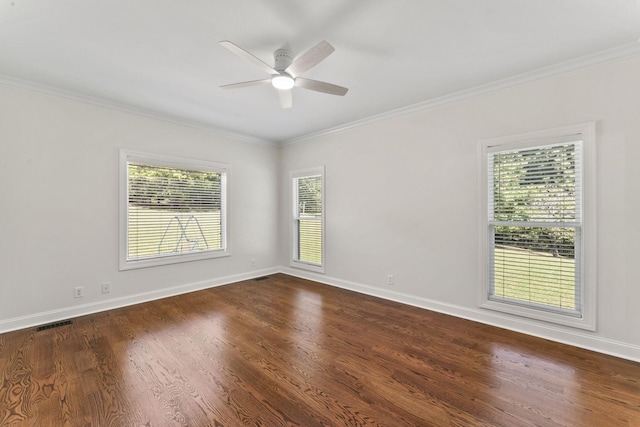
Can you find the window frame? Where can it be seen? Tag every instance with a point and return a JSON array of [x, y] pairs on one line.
[[161, 160], [584, 132], [294, 261]]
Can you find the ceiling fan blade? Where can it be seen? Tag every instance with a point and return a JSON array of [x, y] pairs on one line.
[[246, 84], [286, 98], [249, 57], [310, 58], [319, 86]]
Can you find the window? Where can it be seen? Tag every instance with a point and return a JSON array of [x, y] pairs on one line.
[[172, 210], [539, 237], [308, 219]]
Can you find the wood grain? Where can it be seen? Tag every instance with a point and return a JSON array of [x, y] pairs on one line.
[[289, 352]]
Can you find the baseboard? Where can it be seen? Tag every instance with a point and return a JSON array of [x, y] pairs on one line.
[[110, 304], [576, 338]]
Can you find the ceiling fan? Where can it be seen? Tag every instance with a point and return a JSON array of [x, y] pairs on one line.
[[286, 72]]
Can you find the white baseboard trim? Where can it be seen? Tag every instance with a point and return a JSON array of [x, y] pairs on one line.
[[95, 307], [576, 338]]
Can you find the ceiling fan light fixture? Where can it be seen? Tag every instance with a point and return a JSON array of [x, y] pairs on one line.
[[282, 81]]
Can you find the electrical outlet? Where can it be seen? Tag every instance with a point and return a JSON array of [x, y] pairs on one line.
[[253, 262], [78, 292], [390, 279], [106, 287]]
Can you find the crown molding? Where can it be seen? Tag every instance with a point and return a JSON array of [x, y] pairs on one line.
[[40, 88], [606, 56]]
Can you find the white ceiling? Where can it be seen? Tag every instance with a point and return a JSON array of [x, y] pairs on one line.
[[163, 57]]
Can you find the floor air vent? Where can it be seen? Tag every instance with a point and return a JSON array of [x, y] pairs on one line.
[[261, 278], [53, 325]]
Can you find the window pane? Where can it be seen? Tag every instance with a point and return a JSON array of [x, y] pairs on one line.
[[308, 220], [535, 266], [173, 211], [535, 184], [532, 264], [310, 240], [310, 196]]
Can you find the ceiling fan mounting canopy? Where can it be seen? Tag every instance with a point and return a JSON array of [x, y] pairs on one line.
[[283, 58], [285, 74]]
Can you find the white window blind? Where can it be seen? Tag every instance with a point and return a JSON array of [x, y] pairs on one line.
[[535, 226], [174, 211], [308, 219]]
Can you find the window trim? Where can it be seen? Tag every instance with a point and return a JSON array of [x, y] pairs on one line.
[[293, 262], [586, 133], [127, 156]]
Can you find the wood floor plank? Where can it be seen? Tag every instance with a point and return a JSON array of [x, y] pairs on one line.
[[290, 352]]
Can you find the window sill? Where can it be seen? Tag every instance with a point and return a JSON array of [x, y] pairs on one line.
[[307, 266], [171, 259], [536, 314]]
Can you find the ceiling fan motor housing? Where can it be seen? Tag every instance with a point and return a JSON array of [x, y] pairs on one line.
[[283, 58]]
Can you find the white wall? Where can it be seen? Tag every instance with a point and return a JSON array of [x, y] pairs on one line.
[[402, 199], [59, 207]]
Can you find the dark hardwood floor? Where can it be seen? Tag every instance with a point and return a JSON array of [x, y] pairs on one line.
[[289, 352]]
